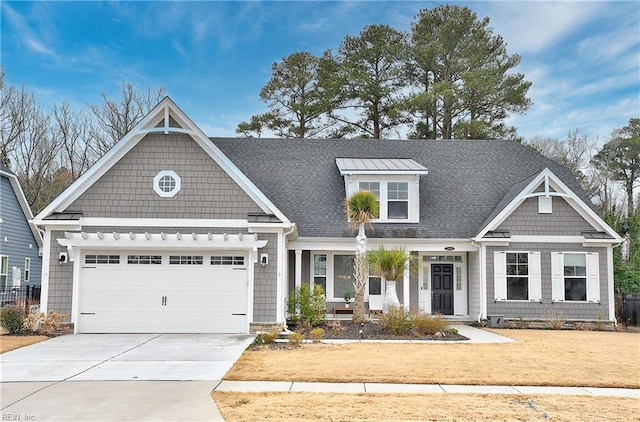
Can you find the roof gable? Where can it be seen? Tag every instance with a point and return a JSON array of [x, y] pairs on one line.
[[22, 201], [552, 186], [166, 117]]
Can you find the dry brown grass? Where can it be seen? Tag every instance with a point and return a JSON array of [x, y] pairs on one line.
[[538, 357], [420, 407], [8, 343]]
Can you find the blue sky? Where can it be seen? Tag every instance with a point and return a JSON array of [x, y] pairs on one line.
[[213, 57]]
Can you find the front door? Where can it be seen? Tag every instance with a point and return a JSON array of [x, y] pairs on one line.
[[442, 288]]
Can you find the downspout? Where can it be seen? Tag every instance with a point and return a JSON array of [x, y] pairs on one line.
[[482, 298]]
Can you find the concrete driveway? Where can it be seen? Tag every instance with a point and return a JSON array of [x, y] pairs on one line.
[[118, 376]]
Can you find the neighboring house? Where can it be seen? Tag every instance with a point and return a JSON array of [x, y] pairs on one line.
[[20, 241], [172, 231]]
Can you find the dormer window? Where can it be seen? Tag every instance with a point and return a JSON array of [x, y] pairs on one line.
[[394, 181]]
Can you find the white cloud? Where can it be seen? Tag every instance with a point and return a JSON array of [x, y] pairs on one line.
[[530, 27]]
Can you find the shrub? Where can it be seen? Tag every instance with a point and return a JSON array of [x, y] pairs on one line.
[[396, 321], [296, 338], [335, 325], [308, 308], [555, 320], [11, 319], [426, 325], [316, 335], [267, 338]]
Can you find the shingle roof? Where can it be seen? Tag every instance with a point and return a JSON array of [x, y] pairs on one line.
[[467, 181]]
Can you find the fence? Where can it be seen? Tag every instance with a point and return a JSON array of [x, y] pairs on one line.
[[20, 296], [628, 308]]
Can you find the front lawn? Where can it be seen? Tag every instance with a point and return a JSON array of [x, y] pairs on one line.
[[538, 357], [9, 342], [420, 407]]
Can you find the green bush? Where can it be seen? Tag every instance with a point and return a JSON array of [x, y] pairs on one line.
[[426, 325], [296, 338], [11, 319], [267, 338], [308, 308], [396, 321], [316, 334]]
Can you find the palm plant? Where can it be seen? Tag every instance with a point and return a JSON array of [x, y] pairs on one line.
[[390, 265], [361, 208]]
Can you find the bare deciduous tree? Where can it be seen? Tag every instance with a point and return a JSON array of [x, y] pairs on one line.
[[114, 118]]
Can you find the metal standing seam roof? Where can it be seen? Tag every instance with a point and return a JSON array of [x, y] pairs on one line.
[[379, 165]]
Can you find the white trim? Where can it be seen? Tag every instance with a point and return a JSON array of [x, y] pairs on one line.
[[562, 190], [298, 268], [24, 205], [346, 244], [549, 239], [610, 292], [251, 274], [75, 295], [352, 185], [44, 277], [406, 287], [176, 179], [592, 277], [121, 148], [483, 282], [131, 240], [500, 276], [280, 279]]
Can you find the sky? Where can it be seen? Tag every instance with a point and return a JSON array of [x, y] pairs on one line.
[[583, 58]]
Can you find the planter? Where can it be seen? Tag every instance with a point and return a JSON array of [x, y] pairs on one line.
[[390, 296]]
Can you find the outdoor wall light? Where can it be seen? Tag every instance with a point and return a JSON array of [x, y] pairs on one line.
[[449, 248], [264, 259], [63, 258]]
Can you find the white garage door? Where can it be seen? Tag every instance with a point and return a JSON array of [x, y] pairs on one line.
[[163, 292]]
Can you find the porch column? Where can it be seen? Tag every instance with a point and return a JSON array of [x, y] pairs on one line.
[[405, 287], [298, 279]]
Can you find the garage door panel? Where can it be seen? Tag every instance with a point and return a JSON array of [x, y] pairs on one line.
[[163, 298]]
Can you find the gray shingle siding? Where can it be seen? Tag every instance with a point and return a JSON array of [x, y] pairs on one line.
[[265, 288], [126, 190], [563, 221], [15, 227], [60, 279], [575, 311], [473, 283]]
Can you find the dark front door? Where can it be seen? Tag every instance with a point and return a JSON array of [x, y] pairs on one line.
[[442, 288]]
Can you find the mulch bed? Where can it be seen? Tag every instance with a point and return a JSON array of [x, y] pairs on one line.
[[371, 330]]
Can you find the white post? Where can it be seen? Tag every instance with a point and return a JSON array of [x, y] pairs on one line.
[[298, 269], [405, 287]]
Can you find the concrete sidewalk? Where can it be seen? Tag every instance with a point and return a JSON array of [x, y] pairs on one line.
[[366, 387]]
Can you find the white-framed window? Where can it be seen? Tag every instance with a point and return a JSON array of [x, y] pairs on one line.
[[27, 269], [334, 272], [144, 259], [575, 276], [319, 270], [167, 183], [398, 200], [4, 270], [227, 260], [517, 276], [102, 259], [343, 278], [398, 196], [186, 260], [374, 188]]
